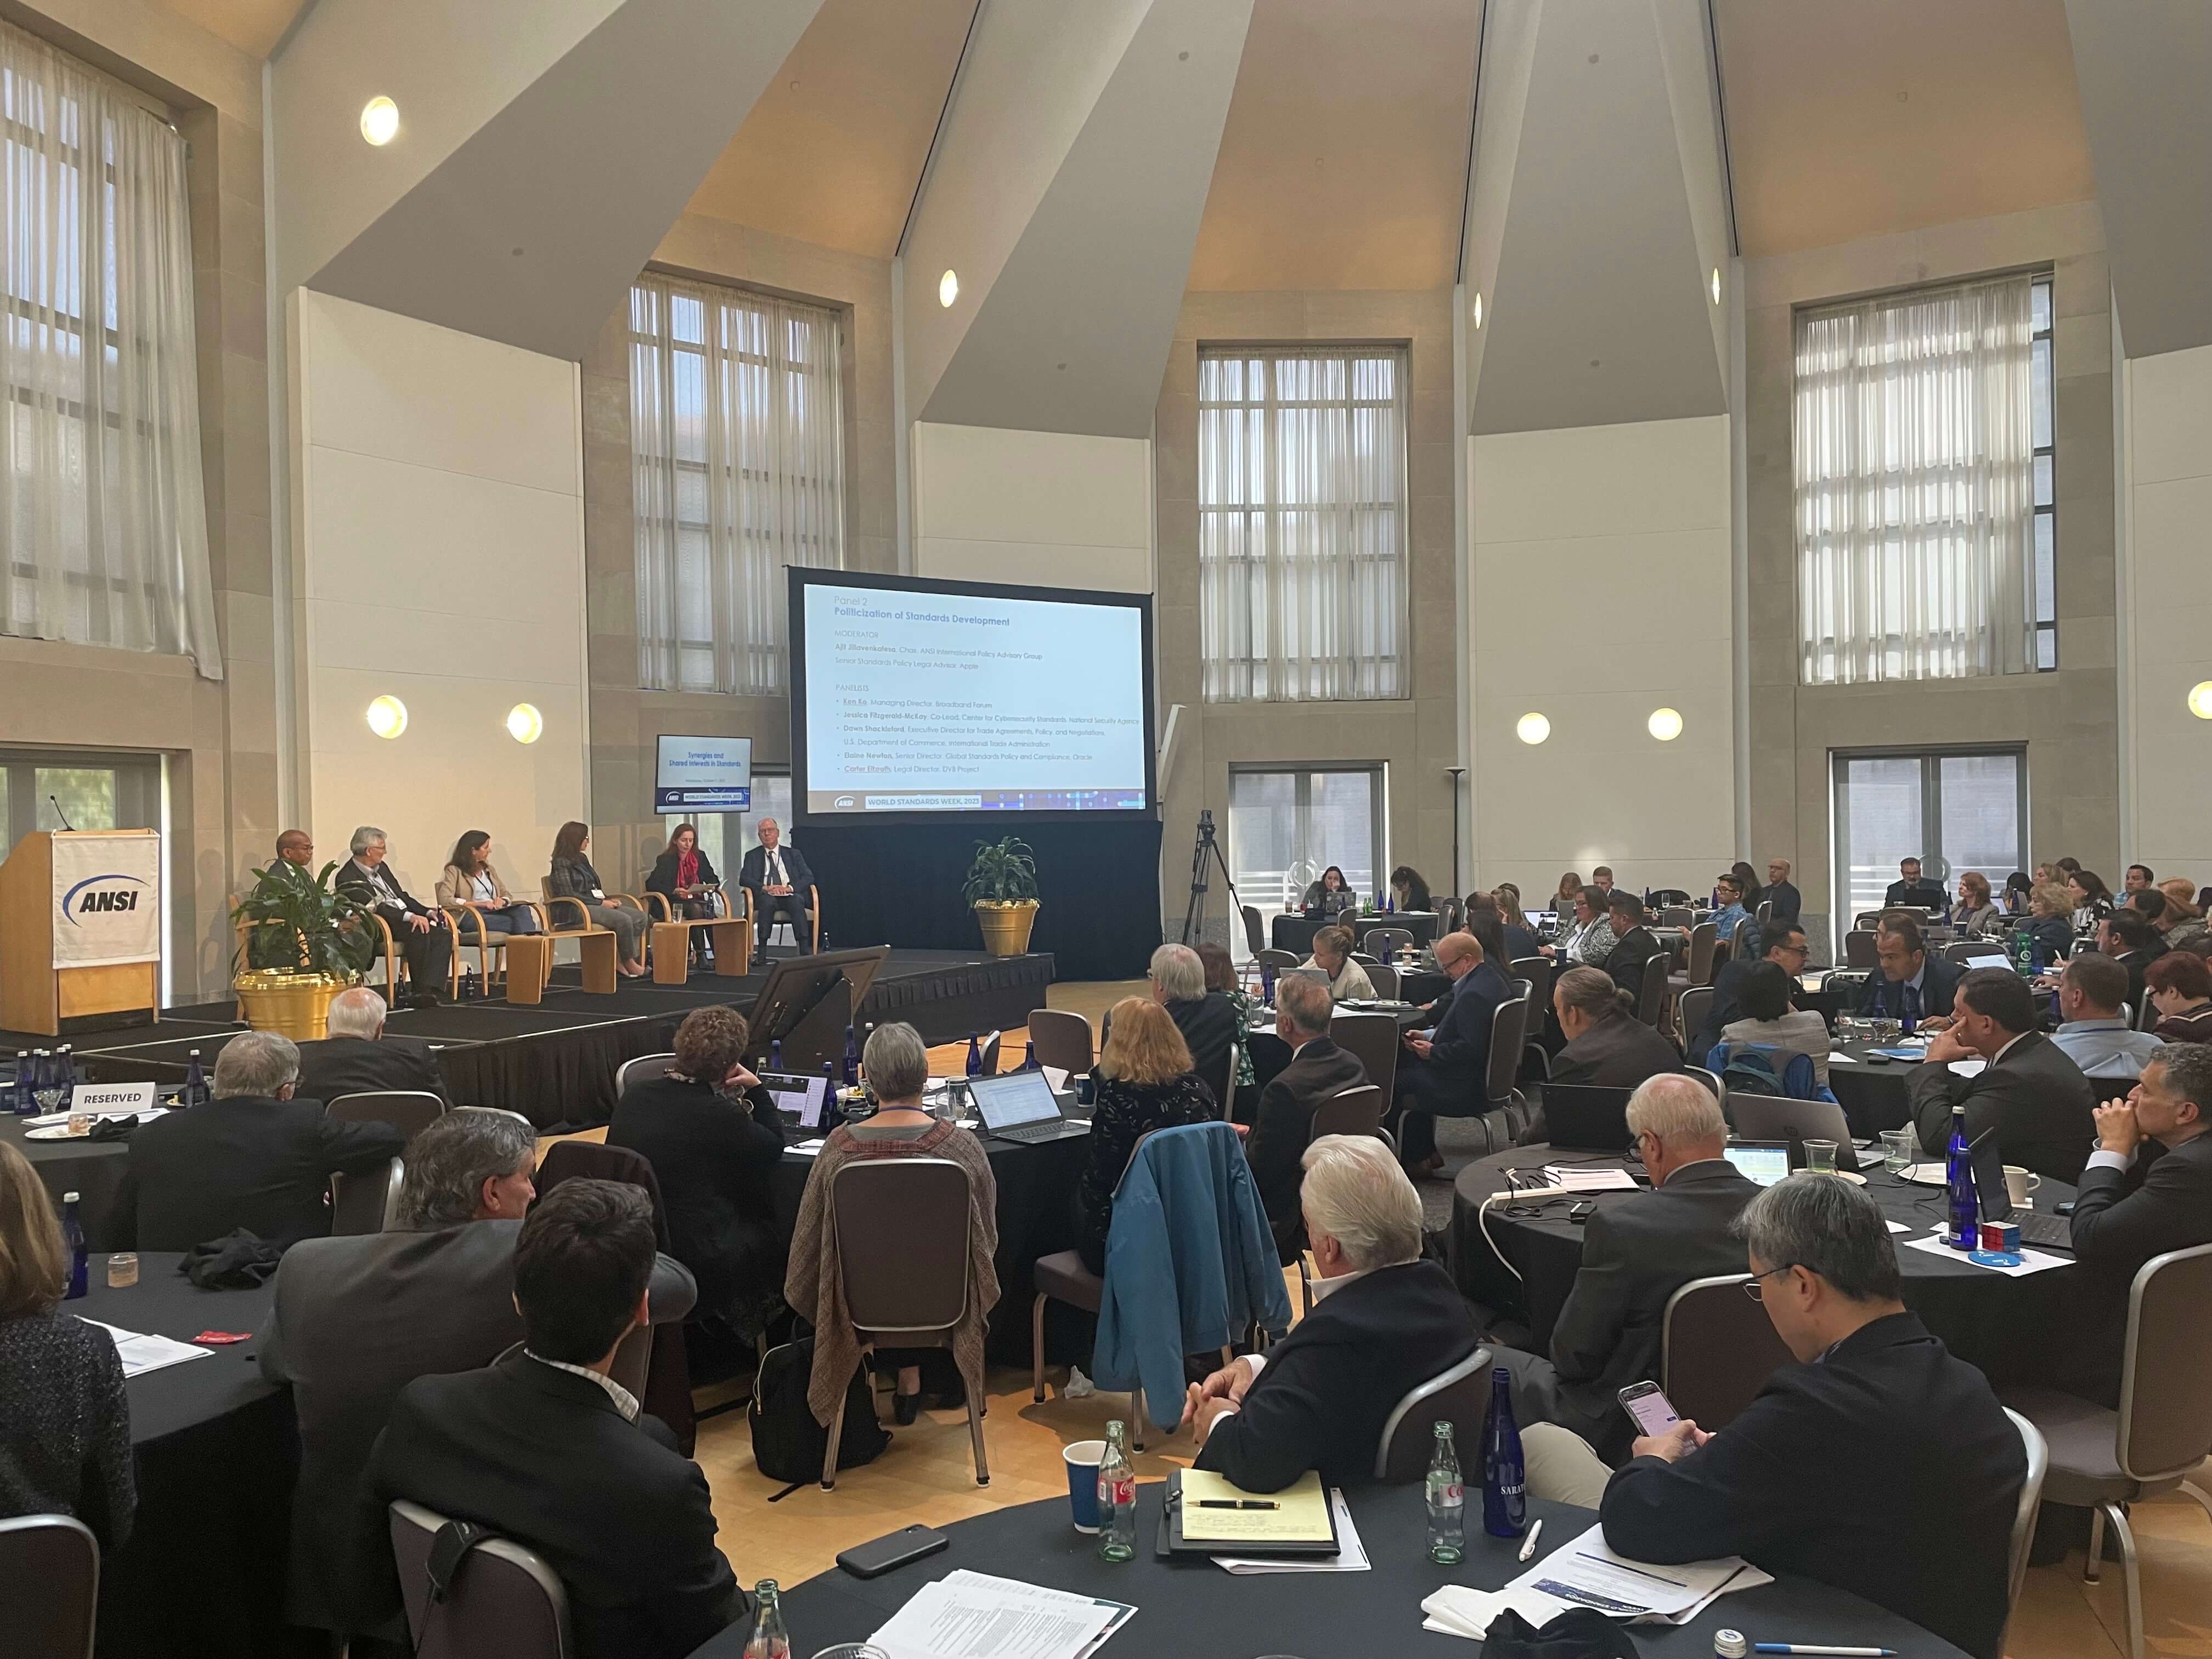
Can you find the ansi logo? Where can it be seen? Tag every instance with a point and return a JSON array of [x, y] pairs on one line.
[[844, 802], [102, 895]]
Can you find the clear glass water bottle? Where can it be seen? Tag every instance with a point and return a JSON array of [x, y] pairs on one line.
[[1504, 1472], [1117, 1497], [73, 1236], [1447, 1503], [770, 1640], [1963, 1220]]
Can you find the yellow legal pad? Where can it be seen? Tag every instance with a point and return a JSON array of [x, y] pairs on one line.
[[1301, 1515]]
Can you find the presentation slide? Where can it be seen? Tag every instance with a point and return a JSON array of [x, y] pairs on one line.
[[920, 700], [704, 774]]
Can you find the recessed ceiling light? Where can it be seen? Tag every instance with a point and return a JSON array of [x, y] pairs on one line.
[[1532, 728], [1477, 309], [1665, 724], [387, 717], [2200, 700], [1717, 284], [379, 121], [525, 724], [948, 289]]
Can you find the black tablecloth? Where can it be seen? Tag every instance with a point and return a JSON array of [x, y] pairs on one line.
[[91, 1168], [1295, 932], [1875, 1096], [203, 1569], [1189, 1608], [2021, 1332]]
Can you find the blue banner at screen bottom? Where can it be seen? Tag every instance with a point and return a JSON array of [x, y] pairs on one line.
[[724, 799]]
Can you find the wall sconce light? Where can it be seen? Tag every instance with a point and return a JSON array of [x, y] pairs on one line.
[[1533, 729], [525, 724], [379, 121], [1477, 309], [387, 717], [1717, 284], [1665, 724], [948, 289], [2200, 700]]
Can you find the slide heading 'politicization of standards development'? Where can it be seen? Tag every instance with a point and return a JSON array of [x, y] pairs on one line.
[[951, 702]]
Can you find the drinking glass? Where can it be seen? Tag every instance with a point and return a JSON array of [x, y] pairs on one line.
[[122, 1270], [1896, 1149], [1820, 1157]]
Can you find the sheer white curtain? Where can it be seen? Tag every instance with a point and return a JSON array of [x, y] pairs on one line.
[[1302, 522], [1914, 458], [737, 454], [101, 500]]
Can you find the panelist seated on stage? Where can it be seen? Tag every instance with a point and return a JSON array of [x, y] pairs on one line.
[[1637, 1251], [2138, 1202], [1921, 1526], [1913, 890], [572, 877], [354, 1320], [1332, 954], [253, 1156], [357, 1058], [545, 1448], [2034, 1097], [418, 933], [470, 879], [1318, 1071], [2093, 1033], [686, 877], [1911, 983], [1330, 896], [776, 874], [1445, 1070]]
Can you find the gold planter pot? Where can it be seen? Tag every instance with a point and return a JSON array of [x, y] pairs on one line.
[[1006, 924], [292, 1004]]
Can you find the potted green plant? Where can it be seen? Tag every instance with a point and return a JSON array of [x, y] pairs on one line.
[[1001, 886], [300, 941]]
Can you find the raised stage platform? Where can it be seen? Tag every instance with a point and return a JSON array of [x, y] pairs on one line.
[[554, 1062]]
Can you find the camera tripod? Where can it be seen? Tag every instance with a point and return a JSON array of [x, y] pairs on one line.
[[1206, 849]]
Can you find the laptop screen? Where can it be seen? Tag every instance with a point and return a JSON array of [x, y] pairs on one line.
[[1764, 1161], [1013, 1099], [797, 1096]]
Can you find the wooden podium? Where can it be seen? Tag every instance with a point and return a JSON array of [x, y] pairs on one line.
[[81, 930]]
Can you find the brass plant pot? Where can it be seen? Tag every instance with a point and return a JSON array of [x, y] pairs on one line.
[[292, 1004], [1006, 924]]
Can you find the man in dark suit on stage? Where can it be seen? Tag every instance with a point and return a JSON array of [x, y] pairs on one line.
[[418, 932], [1283, 1126], [1914, 891], [358, 1058], [2135, 1202], [781, 885], [1925, 1528], [2034, 1096], [545, 1448], [1910, 982], [1445, 1070], [253, 1156]]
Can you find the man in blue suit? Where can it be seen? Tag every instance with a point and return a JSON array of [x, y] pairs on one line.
[[1911, 983], [1445, 1070]]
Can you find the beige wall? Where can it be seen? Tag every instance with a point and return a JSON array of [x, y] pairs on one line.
[[438, 541], [2168, 626], [2067, 719], [1415, 737], [1629, 525], [1053, 509]]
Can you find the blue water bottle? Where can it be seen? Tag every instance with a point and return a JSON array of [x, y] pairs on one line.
[[852, 1072], [1505, 1473], [195, 1081], [73, 1235], [1268, 983], [65, 1065], [975, 1055], [1029, 1056], [775, 1053], [24, 1103], [1963, 1221]]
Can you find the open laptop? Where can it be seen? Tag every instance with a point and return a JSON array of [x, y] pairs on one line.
[[1021, 1106], [1584, 1117], [803, 1101], [2052, 1231], [1764, 1161]]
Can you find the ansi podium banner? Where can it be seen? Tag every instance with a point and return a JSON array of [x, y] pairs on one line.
[[107, 899]]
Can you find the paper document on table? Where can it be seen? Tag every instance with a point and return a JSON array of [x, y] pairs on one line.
[[973, 1615], [1590, 1178], [808, 1148], [2031, 1262], [1299, 1515], [1351, 1554], [1583, 1573], [140, 1353], [1897, 1226]]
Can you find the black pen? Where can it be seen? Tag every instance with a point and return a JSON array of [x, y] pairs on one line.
[[1239, 1504]]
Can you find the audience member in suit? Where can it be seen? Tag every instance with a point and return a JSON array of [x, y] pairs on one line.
[[1779, 892], [544, 1447], [1786, 949], [1924, 1530], [2092, 1033], [1207, 1019], [1638, 1251], [2133, 1206], [1383, 1321], [1445, 1071], [1318, 1069], [1914, 891], [419, 933], [65, 1436], [1912, 984], [253, 1156], [685, 877], [2179, 986], [1769, 1022], [1332, 954], [1143, 1081], [2029, 1093], [357, 1058], [781, 886], [1634, 945], [713, 1137], [2050, 923], [2133, 943], [354, 1320], [572, 877]]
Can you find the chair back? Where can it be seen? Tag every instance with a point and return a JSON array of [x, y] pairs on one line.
[[1061, 1039], [364, 1204], [502, 1602], [1711, 1079], [1771, 1117], [410, 1111], [1226, 1094], [2165, 1414], [1384, 978], [1695, 1007], [1703, 939], [1762, 914], [991, 1053], [49, 1586], [2023, 1518], [1508, 1029], [902, 1244], [1276, 959], [1450, 912], [1354, 1111], [646, 1066], [1537, 970], [2147, 1017], [1716, 1349], [1255, 931], [1387, 942], [1374, 1039], [1459, 1395], [1651, 993], [1365, 960], [1676, 915], [1860, 950], [1965, 950], [1868, 920]]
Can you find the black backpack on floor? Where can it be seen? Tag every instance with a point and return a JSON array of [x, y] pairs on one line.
[[788, 1444]]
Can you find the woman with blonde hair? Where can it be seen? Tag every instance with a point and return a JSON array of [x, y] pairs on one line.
[[1142, 1082], [2052, 906], [65, 1436], [2183, 924]]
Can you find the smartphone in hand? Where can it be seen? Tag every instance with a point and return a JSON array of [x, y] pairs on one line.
[[1649, 1409]]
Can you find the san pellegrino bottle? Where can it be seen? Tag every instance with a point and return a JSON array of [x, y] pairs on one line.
[[1117, 1497], [1964, 1206], [1505, 1473], [975, 1055], [770, 1640], [73, 1236], [1447, 1503]]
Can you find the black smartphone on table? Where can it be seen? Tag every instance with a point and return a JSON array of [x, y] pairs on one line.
[[894, 1549]]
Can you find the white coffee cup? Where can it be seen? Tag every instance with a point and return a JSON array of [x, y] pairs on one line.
[[2019, 1183]]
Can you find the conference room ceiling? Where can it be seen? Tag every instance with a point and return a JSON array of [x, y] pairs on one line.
[[252, 26]]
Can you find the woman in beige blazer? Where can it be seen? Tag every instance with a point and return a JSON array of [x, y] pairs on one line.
[[470, 879]]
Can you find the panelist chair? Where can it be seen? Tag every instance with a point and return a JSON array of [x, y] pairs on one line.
[[567, 917], [49, 1586], [813, 919], [1716, 1349], [395, 964], [1459, 1395], [1060, 1039], [497, 1601], [469, 930], [410, 1111]]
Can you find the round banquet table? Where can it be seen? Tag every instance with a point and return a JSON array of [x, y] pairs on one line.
[[1296, 932], [1189, 1608], [2035, 1330], [202, 1572], [92, 1168]]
